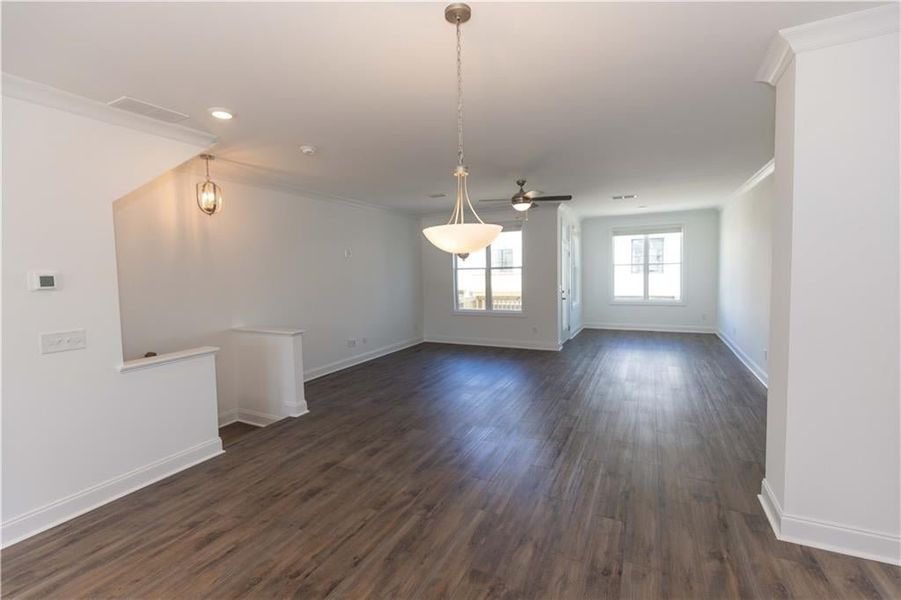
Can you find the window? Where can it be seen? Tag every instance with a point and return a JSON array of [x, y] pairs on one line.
[[491, 279], [647, 265]]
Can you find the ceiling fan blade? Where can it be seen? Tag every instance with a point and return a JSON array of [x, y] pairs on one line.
[[552, 198]]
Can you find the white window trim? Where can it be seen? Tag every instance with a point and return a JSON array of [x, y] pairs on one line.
[[488, 298], [645, 230]]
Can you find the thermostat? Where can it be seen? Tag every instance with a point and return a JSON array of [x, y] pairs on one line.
[[43, 280]]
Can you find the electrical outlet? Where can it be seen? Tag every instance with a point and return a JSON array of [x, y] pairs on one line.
[[766, 354], [63, 341], [704, 316], [352, 343], [348, 253]]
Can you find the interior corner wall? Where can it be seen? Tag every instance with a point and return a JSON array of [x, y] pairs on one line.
[[75, 430], [838, 366], [743, 311], [270, 258], [780, 285], [538, 325], [697, 311]]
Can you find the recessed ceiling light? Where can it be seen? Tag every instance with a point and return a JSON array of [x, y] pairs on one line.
[[642, 206], [223, 114], [438, 195], [625, 197], [308, 150]]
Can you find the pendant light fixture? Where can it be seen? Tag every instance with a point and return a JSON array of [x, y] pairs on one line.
[[209, 195], [458, 236]]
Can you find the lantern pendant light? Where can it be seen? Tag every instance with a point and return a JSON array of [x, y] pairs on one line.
[[209, 195], [458, 236]]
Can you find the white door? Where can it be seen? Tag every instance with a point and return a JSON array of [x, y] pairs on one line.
[[566, 270]]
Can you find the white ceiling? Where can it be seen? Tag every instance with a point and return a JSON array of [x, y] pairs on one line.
[[592, 100]]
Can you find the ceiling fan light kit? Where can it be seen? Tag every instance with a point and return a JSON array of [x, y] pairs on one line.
[[522, 200], [457, 236]]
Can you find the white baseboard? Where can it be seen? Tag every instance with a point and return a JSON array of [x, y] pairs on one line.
[[834, 537], [340, 365], [293, 409], [495, 343], [255, 417], [657, 328], [746, 360], [50, 515]]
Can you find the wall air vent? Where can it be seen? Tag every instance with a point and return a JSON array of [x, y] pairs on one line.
[[147, 109]]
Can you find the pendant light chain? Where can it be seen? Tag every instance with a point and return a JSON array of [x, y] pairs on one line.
[[459, 214], [459, 94]]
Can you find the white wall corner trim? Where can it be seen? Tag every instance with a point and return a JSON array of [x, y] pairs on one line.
[[842, 29], [166, 358], [228, 417], [495, 343], [340, 365], [50, 515], [755, 369], [650, 328], [833, 537], [752, 181], [39, 93]]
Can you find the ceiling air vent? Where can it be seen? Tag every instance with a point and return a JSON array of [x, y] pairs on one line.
[[148, 110]]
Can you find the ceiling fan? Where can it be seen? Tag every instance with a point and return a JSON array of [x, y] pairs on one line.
[[523, 200]]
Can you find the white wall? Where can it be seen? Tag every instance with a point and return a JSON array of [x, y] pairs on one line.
[[76, 431], [833, 453], [270, 258], [743, 311], [538, 325], [697, 312]]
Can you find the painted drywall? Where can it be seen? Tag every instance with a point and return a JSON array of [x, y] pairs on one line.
[[743, 311], [536, 327], [840, 392], [697, 311], [271, 258], [76, 431]]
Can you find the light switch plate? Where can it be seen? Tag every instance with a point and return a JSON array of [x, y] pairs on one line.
[[63, 341]]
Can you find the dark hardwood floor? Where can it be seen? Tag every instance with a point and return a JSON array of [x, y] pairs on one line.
[[626, 465], [232, 433]]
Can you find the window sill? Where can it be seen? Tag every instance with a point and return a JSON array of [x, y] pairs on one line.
[[488, 313], [647, 302]]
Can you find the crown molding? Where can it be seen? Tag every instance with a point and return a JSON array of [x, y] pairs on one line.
[[851, 27], [274, 183], [752, 181], [45, 95]]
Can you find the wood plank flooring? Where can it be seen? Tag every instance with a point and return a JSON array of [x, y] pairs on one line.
[[625, 466], [232, 433]]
